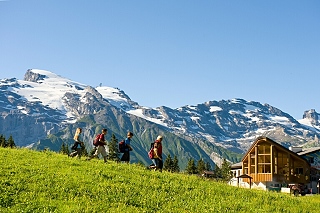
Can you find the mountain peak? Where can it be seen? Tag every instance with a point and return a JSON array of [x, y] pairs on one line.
[[311, 115], [35, 75]]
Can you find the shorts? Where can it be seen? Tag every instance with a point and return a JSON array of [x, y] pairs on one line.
[[101, 150]]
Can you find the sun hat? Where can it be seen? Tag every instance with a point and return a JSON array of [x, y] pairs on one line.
[[159, 137]]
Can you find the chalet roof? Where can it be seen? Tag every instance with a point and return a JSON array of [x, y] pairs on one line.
[[236, 165], [266, 139], [308, 151]]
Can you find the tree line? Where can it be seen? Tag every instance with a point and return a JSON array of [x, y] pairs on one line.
[[7, 142], [222, 173]]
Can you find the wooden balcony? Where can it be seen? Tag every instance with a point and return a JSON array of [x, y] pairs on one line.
[[260, 177], [264, 177]]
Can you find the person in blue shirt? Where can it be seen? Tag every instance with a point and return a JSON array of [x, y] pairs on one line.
[[78, 144], [126, 155]]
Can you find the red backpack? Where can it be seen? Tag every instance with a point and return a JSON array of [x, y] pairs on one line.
[[122, 146], [96, 140], [151, 152]]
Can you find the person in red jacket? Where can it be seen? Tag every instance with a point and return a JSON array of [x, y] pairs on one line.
[[156, 157], [158, 143], [101, 146]]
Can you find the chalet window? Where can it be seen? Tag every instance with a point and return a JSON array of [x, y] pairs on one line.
[[245, 167], [264, 158], [299, 171], [245, 170], [282, 161], [252, 160], [264, 168], [252, 169], [252, 164], [275, 154], [264, 149]]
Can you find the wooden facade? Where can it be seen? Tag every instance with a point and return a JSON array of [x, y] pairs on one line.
[[268, 161]]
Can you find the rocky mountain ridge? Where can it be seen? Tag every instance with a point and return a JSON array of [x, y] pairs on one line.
[[45, 103]]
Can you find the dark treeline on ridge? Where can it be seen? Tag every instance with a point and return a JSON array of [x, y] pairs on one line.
[[7, 142]]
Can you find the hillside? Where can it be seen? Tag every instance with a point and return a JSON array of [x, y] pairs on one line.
[[33, 181], [44, 109], [144, 133]]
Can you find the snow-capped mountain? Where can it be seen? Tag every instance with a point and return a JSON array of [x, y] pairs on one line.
[[234, 124], [43, 102]]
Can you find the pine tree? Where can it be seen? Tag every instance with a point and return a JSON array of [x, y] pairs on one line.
[[191, 167], [201, 166], [84, 152], [217, 172], [113, 149], [208, 166], [10, 142], [3, 142], [67, 149], [63, 149], [168, 164], [175, 166], [226, 174]]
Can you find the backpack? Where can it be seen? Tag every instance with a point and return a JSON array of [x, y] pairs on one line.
[[151, 152], [122, 146], [96, 140]]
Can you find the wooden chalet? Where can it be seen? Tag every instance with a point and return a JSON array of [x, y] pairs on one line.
[[271, 165]]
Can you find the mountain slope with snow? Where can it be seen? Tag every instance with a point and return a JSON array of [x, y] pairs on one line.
[[53, 101]]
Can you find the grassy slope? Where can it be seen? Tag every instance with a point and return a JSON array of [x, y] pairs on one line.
[[33, 181], [145, 133]]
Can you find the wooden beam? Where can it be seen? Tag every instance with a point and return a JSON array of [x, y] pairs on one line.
[[271, 160], [256, 160]]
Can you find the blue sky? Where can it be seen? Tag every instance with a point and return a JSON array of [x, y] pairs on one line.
[[171, 53]]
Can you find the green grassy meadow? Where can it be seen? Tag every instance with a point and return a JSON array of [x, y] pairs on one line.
[[33, 181]]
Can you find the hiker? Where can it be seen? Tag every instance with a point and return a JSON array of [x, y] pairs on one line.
[[158, 162], [156, 158], [100, 149], [126, 155], [78, 144]]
